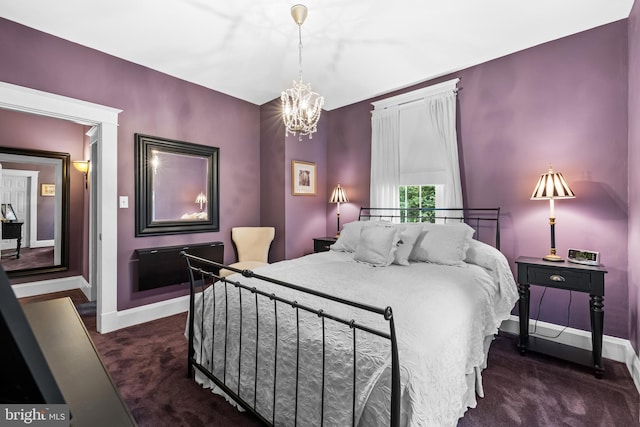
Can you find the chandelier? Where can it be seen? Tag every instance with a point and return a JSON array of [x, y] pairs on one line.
[[301, 107]]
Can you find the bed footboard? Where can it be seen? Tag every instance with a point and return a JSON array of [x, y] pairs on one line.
[[229, 334]]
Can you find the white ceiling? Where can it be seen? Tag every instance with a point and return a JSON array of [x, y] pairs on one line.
[[353, 49]]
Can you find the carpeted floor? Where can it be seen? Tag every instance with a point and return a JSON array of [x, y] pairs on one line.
[[148, 364], [29, 258], [537, 390], [520, 391]]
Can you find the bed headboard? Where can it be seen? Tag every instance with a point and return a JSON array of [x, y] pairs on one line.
[[483, 220]]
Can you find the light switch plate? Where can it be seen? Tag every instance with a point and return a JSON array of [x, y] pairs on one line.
[[124, 202]]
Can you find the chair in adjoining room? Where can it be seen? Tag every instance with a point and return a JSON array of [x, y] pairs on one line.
[[252, 246]]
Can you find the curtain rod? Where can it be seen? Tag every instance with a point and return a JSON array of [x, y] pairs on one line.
[[416, 95]]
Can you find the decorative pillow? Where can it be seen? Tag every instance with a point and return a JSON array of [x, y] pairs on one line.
[[407, 237], [376, 245], [443, 244], [349, 237], [485, 256]]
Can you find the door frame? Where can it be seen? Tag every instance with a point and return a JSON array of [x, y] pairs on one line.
[[19, 98]]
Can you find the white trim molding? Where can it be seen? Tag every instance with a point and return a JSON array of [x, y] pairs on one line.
[[617, 349], [48, 286], [146, 313], [29, 100]]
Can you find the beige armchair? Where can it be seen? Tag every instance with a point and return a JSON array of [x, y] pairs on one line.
[[252, 245]]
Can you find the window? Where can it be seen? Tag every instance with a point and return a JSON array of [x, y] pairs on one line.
[[419, 196]]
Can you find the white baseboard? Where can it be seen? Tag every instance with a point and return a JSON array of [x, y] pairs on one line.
[[146, 313], [47, 286], [41, 243], [613, 348]]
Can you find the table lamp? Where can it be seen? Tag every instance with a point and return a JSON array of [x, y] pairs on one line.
[[201, 199], [551, 186], [338, 196]]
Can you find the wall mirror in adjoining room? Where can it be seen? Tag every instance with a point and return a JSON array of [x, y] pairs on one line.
[[176, 186], [34, 198]]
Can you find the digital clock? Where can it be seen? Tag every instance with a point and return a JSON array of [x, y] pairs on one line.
[[581, 256]]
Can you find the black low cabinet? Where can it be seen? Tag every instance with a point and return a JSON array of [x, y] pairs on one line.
[[159, 267]]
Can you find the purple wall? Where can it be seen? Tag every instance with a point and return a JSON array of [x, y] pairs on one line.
[[298, 219], [634, 175], [272, 177], [27, 131], [155, 104], [562, 102], [305, 216]]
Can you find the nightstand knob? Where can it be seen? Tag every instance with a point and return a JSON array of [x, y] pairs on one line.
[[556, 278]]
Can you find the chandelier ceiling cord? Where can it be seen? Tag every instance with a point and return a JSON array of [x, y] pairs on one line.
[[301, 107]]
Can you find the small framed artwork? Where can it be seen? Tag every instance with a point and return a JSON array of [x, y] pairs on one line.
[[303, 178], [47, 189]]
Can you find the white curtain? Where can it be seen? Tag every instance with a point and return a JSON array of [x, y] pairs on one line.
[[442, 115], [385, 163], [414, 142]]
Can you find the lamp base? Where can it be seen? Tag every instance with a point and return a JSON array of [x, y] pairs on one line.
[[553, 258]]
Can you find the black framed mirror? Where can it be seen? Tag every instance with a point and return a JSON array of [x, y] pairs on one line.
[[34, 197], [176, 186]]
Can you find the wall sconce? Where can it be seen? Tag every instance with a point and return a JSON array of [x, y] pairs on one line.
[[551, 186], [338, 196], [83, 166], [201, 199]]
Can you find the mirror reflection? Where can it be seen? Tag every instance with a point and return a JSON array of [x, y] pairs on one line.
[[179, 187], [33, 201], [176, 186]]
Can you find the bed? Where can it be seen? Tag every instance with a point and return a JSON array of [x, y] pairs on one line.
[[392, 326]]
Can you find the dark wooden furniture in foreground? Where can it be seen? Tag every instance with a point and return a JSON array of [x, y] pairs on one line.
[[13, 230], [83, 379], [572, 277], [322, 244], [163, 266]]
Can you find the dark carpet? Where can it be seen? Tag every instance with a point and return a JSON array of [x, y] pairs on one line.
[[148, 364], [29, 258], [536, 390]]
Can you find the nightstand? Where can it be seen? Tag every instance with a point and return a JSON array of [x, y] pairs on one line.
[[321, 244], [563, 275]]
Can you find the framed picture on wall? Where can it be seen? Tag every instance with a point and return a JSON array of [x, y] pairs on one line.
[[47, 189], [303, 178]]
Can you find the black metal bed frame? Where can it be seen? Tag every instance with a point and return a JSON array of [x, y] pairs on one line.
[[203, 273], [206, 269]]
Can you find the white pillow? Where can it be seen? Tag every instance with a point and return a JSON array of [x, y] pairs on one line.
[[443, 244], [485, 256], [349, 237], [376, 245], [407, 237]]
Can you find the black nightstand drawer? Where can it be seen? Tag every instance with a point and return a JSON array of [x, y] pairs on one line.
[[323, 244], [570, 280]]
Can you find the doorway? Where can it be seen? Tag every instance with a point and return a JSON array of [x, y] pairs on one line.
[[104, 217]]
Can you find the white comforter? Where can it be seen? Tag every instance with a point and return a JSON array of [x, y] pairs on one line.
[[443, 316]]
